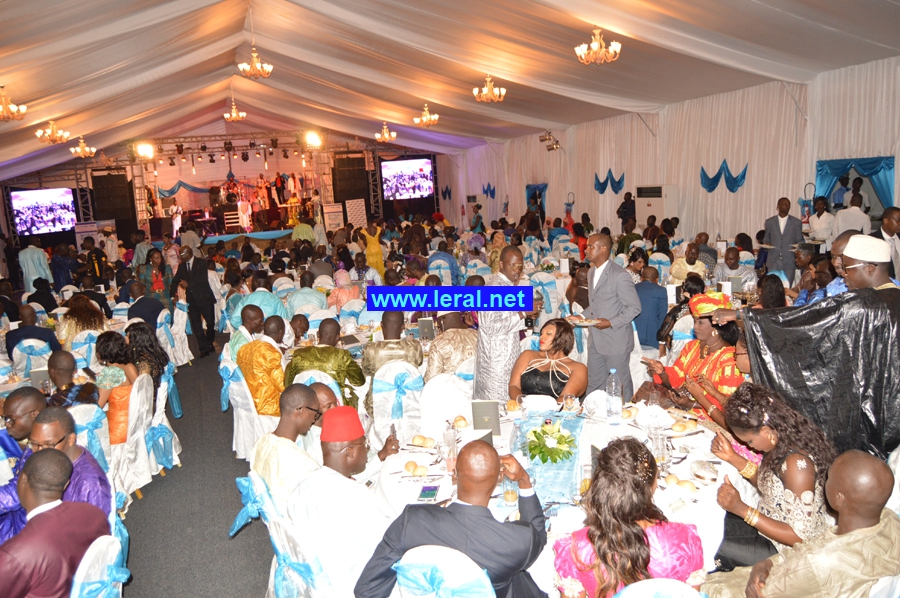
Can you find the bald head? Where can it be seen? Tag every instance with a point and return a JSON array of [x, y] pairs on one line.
[[307, 279], [477, 472], [702, 238], [137, 290], [27, 315], [858, 486], [274, 328], [392, 324], [62, 361], [329, 332], [650, 273], [252, 318], [325, 397]]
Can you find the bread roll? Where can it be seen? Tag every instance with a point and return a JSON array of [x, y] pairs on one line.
[[690, 424], [429, 443], [460, 422], [687, 485], [672, 479], [418, 440], [679, 427], [512, 405], [422, 471], [410, 466]]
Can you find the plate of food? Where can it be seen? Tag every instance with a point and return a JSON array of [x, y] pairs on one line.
[[585, 322], [767, 246]]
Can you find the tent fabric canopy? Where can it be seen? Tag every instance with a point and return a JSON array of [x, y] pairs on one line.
[[114, 71]]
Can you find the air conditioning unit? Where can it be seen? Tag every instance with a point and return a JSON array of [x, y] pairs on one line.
[[656, 200]]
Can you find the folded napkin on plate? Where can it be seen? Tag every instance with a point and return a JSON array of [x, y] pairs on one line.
[[650, 415]]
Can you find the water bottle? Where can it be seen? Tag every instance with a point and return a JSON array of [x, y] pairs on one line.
[[614, 400]]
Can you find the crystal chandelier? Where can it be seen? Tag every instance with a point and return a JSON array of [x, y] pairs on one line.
[[489, 93], [234, 116], [427, 119], [386, 135], [596, 51], [83, 151], [52, 135], [8, 110], [257, 68]]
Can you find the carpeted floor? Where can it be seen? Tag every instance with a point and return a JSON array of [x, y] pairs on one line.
[[179, 531]]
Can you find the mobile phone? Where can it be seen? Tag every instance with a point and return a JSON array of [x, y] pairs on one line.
[[428, 493], [393, 430]]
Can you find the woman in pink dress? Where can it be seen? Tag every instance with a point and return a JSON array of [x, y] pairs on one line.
[[627, 537], [343, 290]]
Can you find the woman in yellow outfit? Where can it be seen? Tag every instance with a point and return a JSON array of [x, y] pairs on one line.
[[374, 256]]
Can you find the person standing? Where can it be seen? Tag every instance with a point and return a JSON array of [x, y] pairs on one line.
[[837, 198], [782, 231], [95, 259], [821, 223], [190, 238], [654, 305], [63, 266], [193, 278], [141, 247], [853, 218], [374, 255], [626, 209], [156, 276], [279, 187], [615, 304], [34, 263], [890, 227]]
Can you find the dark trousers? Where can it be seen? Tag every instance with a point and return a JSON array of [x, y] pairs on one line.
[[197, 312], [742, 545]]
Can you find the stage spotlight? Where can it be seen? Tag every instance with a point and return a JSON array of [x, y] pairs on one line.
[[171, 161], [179, 148], [202, 147], [159, 149], [257, 153], [234, 155], [183, 159], [271, 152], [284, 154], [546, 137], [313, 139], [229, 146], [245, 156], [160, 160], [252, 144], [274, 142], [296, 152], [212, 158], [553, 146], [223, 156]]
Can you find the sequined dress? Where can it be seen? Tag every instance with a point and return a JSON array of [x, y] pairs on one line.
[[806, 514], [498, 348]]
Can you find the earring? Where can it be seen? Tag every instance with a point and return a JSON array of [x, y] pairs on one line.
[[772, 440], [715, 333]]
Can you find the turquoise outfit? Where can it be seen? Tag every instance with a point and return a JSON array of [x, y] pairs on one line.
[[267, 301]]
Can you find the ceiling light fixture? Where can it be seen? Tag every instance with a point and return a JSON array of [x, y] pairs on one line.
[[171, 161], [489, 93], [596, 52], [257, 154], [245, 156], [82, 151], [183, 159], [8, 110], [145, 151], [386, 135], [235, 115], [273, 142], [313, 139], [284, 154], [52, 135], [427, 119], [256, 68], [179, 148]]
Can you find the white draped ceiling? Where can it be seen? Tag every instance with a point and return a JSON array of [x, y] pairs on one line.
[[113, 71]]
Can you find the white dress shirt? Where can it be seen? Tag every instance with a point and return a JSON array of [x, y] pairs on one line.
[[782, 222], [42, 509], [820, 228], [851, 218], [599, 273]]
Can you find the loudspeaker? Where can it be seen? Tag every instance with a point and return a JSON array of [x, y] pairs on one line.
[[113, 197], [351, 181], [159, 227]]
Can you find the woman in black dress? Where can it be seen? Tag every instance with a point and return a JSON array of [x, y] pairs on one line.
[[549, 371]]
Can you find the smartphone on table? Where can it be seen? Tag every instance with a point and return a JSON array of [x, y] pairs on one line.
[[428, 494]]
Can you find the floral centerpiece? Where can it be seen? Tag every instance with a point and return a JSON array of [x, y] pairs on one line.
[[548, 267], [550, 442]]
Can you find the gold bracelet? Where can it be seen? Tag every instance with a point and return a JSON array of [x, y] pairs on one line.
[[749, 470], [711, 409], [752, 517]]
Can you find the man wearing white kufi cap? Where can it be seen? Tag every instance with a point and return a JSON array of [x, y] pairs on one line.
[[866, 262]]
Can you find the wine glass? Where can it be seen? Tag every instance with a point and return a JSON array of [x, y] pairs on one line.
[[570, 402], [521, 401], [590, 409]]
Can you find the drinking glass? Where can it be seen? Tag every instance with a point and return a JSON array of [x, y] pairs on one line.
[[313, 338], [653, 399], [570, 403], [521, 401], [590, 409], [47, 387], [659, 446], [510, 492]]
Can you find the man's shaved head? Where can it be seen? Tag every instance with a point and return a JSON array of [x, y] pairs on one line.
[[252, 318], [329, 332], [27, 315], [477, 471], [274, 328], [295, 397], [61, 360]]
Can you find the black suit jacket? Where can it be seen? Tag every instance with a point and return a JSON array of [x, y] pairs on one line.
[[147, 309], [506, 550], [14, 337], [10, 308], [879, 235], [198, 291], [100, 299]]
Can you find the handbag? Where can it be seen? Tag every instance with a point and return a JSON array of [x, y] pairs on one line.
[[664, 334]]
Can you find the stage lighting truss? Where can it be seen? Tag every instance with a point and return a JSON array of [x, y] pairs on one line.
[[245, 156], [229, 146]]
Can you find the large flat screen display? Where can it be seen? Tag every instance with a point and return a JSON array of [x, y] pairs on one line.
[[40, 211], [411, 178]]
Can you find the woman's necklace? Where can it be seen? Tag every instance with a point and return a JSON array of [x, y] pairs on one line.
[[712, 348], [556, 367]]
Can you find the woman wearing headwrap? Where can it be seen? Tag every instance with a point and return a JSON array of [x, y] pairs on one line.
[[475, 244], [343, 290]]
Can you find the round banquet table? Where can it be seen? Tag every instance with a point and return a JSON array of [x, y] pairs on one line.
[[396, 488]]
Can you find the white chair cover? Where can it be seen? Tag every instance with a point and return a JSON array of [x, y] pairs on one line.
[[30, 354], [661, 262], [84, 349], [530, 343], [98, 569], [172, 335], [566, 250], [466, 371], [477, 267], [6, 473], [396, 392], [25, 297], [441, 269], [222, 323], [562, 239], [310, 377], [886, 587], [120, 312], [351, 311], [67, 291], [458, 575], [444, 397], [92, 432], [638, 370], [307, 310], [288, 551], [249, 426], [316, 318], [283, 287], [682, 334], [130, 465], [893, 462], [215, 284], [651, 588], [60, 312], [541, 403], [747, 259], [38, 308], [323, 282], [369, 318], [621, 259], [546, 284], [161, 432]]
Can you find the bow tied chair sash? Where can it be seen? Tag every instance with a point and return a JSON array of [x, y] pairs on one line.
[[425, 579], [88, 342], [350, 313], [284, 292], [168, 377], [659, 264], [565, 310], [440, 268], [120, 313], [748, 262], [400, 386], [674, 244], [682, 336], [118, 529], [159, 442], [253, 505], [187, 325], [6, 370], [93, 441], [228, 375], [32, 351], [330, 384], [165, 327], [106, 587], [308, 572], [466, 376], [314, 324], [545, 287]]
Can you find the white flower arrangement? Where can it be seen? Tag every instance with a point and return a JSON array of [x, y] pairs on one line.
[[550, 442]]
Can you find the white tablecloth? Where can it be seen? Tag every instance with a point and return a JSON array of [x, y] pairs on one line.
[[396, 490]]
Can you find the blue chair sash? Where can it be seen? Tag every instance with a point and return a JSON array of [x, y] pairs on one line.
[[284, 292], [307, 572], [566, 310], [32, 351], [682, 336], [106, 588], [174, 396], [400, 386], [93, 441], [6, 370], [89, 341], [164, 326], [422, 579], [159, 442], [120, 312], [228, 377], [465, 376], [253, 505], [119, 530], [674, 244], [330, 384], [750, 263], [659, 264], [350, 313], [187, 325], [545, 288]]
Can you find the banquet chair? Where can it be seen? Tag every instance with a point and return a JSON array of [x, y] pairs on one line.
[[396, 392], [130, 463], [83, 348], [662, 263], [886, 587], [249, 426], [370, 318], [171, 330], [567, 250], [6, 473], [316, 318], [283, 287], [437, 571], [441, 269], [545, 283], [39, 310], [651, 588], [444, 397], [561, 239], [747, 259], [323, 282], [162, 443], [30, 354], [310, 377], [638, 370], [222, 313], [60, 313], [24, 297], [531, 343], [307, 310], [466, 371], [476, 268], [67, 291], [99, 573], [92, 432], [621, 260], [682, 334], [541, 403], [290, 574], [582, 335], [351, 310], [120, 312]]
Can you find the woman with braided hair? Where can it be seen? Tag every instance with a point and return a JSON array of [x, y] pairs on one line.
[[627, 537], [790, 478]]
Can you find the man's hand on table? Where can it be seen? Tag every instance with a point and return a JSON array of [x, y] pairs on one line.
[[391, 447], [513, 470]]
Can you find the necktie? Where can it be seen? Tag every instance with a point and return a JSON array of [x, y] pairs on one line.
[[188, 268]]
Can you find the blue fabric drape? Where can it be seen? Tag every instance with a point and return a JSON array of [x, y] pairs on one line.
[[108, 587], [400, 386], [733, 183], [264, 235], [252, 509], [173, 394], [531, 190], [489, 191], [879, 170], [615, 185], [166, 193], [159, 442]]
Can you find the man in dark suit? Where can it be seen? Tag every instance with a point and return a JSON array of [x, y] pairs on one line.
[[145, 308], [654, 305], [43, 557], [782, 231], [193, 278], [9, 306], [615, 303], [505, 550], [87, 289], [890, 231], [28, 328]]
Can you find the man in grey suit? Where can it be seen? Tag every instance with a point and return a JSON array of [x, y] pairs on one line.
[[782, 231], [615, 303]]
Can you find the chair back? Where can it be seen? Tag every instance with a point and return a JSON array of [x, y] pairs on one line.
[[477, 267], [310, 377], [92, 432], [99, 574], [30, 354], [396, 392], [120, 312], [466, 371], [60, 313], [531, 343], [283, 287], [249, 426], [662, 263], [38, 309], [307, 310], [370, 318], [351, 310], [317, 317], [438, 571], [443, 399], [562, 239], [291, 574], [132, 470], [541, 403], [747, 259], [441, 269], [546, 284], [323, 282], [682, 334], [25, 296], [651, 588], [84, 349], [567, 250], [67, 291], [162, 442], [886, 587]]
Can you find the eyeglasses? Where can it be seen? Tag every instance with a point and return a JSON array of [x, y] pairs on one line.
[[365, 444], [316, 411], [859, 265], [11, 420], [35, 447]]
